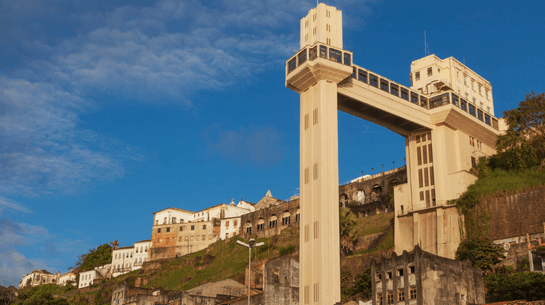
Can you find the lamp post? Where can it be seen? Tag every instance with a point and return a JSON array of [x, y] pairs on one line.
[[250, 245]]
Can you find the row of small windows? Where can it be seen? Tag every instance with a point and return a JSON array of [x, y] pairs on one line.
[[273, 222], [322, 51], [434, 102], [186, 238], [400, 295], [172, 220], [125, 254], [192, 227]]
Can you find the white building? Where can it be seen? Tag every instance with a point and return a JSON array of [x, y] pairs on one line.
[[230, 227], [122, 260], [141, 253], [86, 278]]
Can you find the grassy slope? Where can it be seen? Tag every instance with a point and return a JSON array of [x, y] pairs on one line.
[[501, 182]]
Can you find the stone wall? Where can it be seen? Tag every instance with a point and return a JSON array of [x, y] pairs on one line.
[[281, 281], [265, 215], [373, 188], [516, 215]]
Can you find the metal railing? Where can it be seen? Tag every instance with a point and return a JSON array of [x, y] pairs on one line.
[[424, 206]]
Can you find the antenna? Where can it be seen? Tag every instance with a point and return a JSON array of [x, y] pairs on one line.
[[425, 44]]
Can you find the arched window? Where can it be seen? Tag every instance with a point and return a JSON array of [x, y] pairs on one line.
[[165, 221], [248, 227], [146, 248], [343, 200], [157, 222], [361, 197], [273, 222], [286, 217], [376, 193], [173, 219], [260, 224]]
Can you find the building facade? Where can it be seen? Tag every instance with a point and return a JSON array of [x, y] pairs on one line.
[[122, 260], [141, 253], [39, 277], [423, 278]]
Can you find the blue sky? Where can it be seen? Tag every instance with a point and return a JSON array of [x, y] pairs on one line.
[[110, 111]]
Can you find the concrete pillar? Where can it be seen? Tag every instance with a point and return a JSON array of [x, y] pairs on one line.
[[319, 179]]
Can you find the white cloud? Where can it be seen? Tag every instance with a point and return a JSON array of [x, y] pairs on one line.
[[14, 265]]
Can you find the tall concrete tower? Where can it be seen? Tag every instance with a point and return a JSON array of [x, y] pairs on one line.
[[316, 79]]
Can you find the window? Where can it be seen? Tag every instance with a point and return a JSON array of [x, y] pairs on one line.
[[248, 229], [430, 71], [400, 272], [384, 85], [414, 98], [463, 105], [292, 64], [404, 94], [286, 220], [164, 220], [412, 292], [487, 119], [373, 80], [204, 227], [168, 229], [235, 223], [354, 72], [388, 275], [480, 114], [455, 100], [173, 219], [302, 57], [390, 297], [323, 51], [192, 228], [423, 102], [157, 222], [379, 298], [473, 162], [347, 59], [272, 224], [417, 75], [400, 295], [362, 76], [394, 89], [313, 53], [227, 224], [261, 227], [181, 228], [159, 230], [411, 269], [471, 109], [297, 217], [335, 55]]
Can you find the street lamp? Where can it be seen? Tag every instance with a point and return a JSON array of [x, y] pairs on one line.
[[250, 245]]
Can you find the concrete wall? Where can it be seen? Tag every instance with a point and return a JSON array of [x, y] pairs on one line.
[[281, 281]]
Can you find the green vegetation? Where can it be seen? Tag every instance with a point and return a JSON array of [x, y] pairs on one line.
[[505, 285], [482, 253], [358, 288], [374, 224], [348, 230], [95, 257], [43, 295]]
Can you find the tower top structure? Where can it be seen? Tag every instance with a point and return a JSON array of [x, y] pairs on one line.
[[322, 24]]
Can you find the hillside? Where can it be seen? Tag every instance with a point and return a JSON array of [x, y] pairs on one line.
[[223, 260]]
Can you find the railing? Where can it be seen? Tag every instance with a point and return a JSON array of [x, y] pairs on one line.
[[318, 50], [435, 101], [423, 206]]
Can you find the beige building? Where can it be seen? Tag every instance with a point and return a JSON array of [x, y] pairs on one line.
[[229, 227], [69, 276], [446, 118], [39, 277]]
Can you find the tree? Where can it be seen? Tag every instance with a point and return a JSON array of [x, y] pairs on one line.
[[95, 257], [482, 253], [503, 286], [523, 144], [348, 230]]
